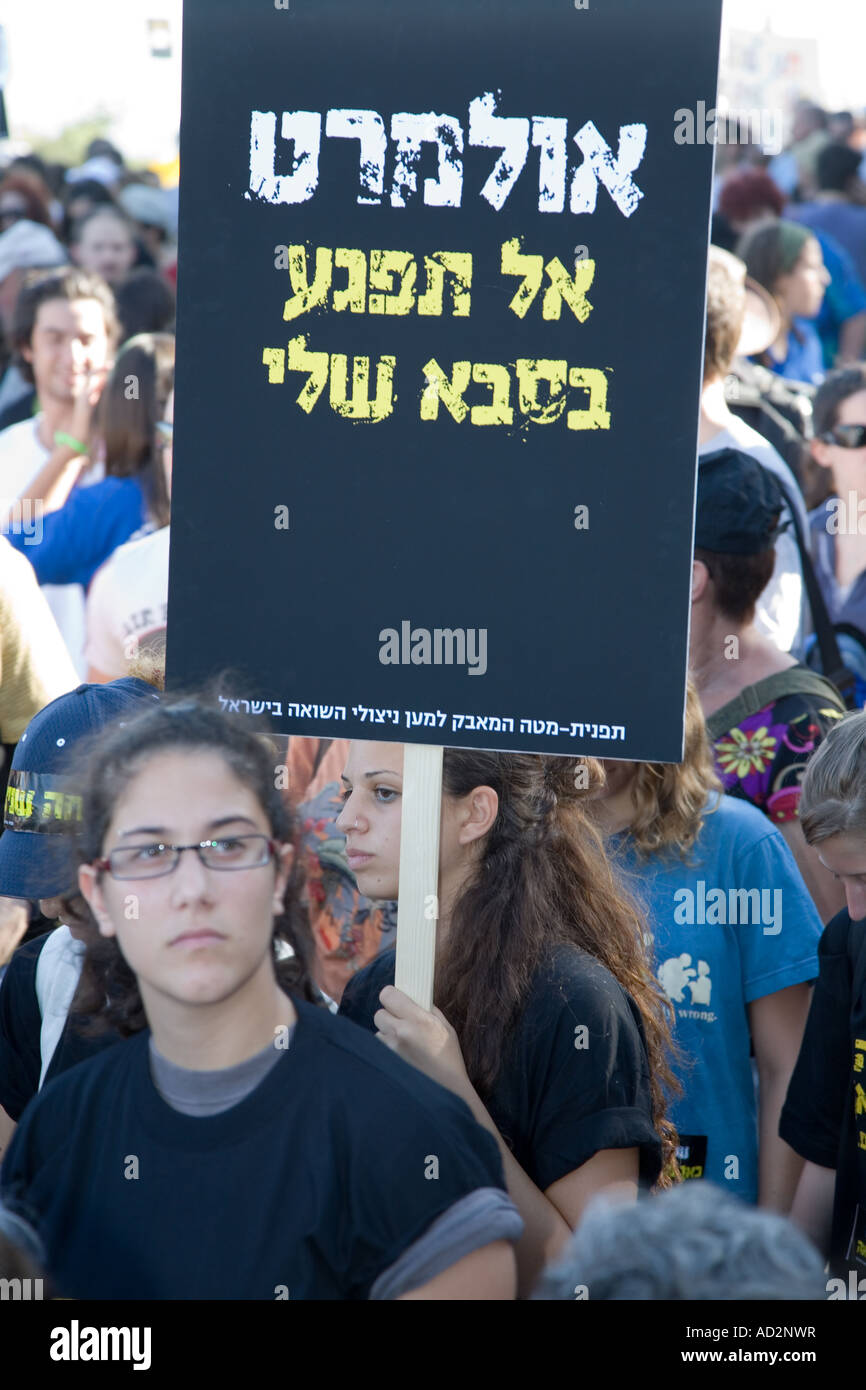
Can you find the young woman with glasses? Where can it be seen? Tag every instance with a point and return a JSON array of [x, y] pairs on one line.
[[243, 1143]]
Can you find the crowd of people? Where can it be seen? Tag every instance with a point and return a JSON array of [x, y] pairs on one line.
[[642, 1075]]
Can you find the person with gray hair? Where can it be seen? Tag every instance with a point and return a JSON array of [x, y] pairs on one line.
[[824, 1116], [693, 1242]]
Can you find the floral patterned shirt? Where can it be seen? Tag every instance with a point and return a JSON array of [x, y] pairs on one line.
[[762, 758]]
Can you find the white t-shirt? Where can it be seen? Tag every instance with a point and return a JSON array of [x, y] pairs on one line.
[[22, 454], [781, 610], [127, 603]]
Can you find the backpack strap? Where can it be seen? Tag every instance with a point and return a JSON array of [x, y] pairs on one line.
[[797, 680], [831, 658]]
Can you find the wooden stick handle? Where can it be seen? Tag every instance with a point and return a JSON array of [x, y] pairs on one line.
[[418, 908]]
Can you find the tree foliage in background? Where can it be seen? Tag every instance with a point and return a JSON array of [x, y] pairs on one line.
[[70, 145]]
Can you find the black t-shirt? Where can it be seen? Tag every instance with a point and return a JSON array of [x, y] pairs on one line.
[[575, 1076], [308, 1188], [20, 1029], [824, 1116]]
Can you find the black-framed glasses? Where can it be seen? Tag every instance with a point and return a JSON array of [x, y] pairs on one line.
[[846, 436], [154, 859]]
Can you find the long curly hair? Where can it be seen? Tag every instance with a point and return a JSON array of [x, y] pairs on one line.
[[541, 880], [670, 799], [108, 996]]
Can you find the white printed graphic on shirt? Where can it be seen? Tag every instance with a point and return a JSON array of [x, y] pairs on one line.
[[677, 974], [700, 988]]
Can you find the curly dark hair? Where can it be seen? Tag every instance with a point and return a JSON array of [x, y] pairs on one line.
[[108, 996], [542, 880]]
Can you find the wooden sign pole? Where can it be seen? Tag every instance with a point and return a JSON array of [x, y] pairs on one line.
[[418, 909]]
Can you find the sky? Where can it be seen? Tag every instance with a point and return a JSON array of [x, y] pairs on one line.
[[839, 26], [99, 56]]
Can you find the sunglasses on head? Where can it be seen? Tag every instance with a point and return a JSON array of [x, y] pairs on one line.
[[846, 436]]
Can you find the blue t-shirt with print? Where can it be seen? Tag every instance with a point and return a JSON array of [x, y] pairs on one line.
[[716, 951]]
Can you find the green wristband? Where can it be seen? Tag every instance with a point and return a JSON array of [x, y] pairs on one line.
[[70, 442]]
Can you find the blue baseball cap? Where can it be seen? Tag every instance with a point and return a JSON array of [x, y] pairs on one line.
[[42, 806]]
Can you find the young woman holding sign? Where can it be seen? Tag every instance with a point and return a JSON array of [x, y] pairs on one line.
[[243, 1143], [549, 1023]]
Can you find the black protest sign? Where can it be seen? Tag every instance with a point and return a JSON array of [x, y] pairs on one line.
[[440, 342]]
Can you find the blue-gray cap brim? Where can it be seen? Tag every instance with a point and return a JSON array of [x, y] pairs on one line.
[[34, 865]]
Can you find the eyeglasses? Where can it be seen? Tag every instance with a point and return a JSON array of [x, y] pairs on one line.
[[12, 214], [154, 860], [846, 436]]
